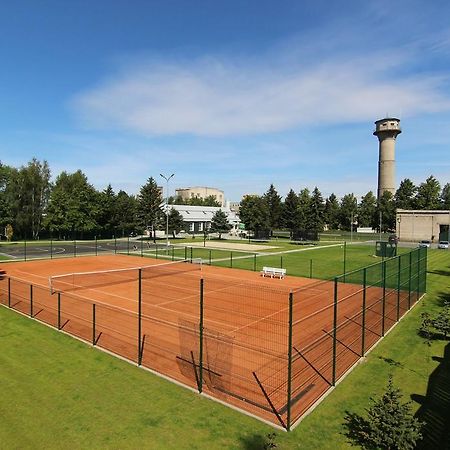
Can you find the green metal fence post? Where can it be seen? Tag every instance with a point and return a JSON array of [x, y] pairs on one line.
[[363, 322], [231, 259], [254, 262], [310, 268], [139, 317], [96, 250], [9, 292], [25, 250], [345, 257], [191, 254], [399, 286], [173, 253], [418, 274], [289, 380], [31, 300], [425, 270], [94, 337], [115, 244], [210, 252], [200, 357], [74, 248], [156, 251], [51, 248], [128, 245], [59, 310], [383, 270], [333, 380], [281, 261], [142, 248], [409, 280]]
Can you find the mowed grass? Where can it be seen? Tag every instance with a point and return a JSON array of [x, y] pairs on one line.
[[58, 392]]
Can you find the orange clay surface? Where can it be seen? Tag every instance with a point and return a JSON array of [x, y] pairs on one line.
[[245, 325]]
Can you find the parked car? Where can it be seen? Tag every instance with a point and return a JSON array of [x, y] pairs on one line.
[[443, 244], [425, 243]]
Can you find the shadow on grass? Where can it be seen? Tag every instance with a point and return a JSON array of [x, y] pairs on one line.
[[259, 442], [435, 406], [390, 361], [445, 273]]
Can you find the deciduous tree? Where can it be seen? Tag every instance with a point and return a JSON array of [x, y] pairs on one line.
[[428, 194], [253, 213], [404, 196]]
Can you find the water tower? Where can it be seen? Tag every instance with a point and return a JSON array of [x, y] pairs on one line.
[[386, 130]]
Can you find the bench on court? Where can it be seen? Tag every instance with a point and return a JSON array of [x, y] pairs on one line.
[[273, 272]]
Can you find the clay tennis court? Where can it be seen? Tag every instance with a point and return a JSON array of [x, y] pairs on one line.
[[242, 354]]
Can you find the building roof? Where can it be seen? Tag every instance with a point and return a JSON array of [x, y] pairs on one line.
[[203, 213]]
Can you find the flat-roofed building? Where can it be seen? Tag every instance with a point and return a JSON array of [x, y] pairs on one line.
[[201, 192], [417, 225]]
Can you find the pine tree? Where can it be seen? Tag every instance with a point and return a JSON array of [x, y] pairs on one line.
[[389, 424], [331, 213], [316, 211], [274, 207], [219, 223], [304, 203], [176, 223], [290, 216], [150, 201]]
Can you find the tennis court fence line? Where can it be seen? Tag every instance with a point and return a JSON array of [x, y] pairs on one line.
[[269, 352]]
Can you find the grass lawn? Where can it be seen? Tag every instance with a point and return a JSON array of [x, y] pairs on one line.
[[58, 392]]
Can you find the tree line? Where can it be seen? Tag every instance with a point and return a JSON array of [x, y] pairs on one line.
[[32, 206], [70, 207], [311, 212]]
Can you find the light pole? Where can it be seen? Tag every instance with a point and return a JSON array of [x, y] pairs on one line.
[[399, 220], [351, 230], [167, 206], [381, 222]]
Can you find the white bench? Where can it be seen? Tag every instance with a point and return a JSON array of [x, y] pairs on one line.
[[273, 272]]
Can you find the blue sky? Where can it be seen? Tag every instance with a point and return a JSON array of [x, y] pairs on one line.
[[230, 94]]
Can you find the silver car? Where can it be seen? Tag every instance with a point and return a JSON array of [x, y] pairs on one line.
[[425, 243], [443, 244]]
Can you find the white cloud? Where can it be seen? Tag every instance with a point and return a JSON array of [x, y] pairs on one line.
[[212, 97]]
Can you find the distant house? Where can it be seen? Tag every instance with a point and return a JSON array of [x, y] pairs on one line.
[[197, 219]]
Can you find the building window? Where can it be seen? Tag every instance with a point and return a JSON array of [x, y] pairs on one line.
[[200, 226], [191, 226]]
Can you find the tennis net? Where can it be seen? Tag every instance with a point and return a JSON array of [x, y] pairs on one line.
[[85, 280]]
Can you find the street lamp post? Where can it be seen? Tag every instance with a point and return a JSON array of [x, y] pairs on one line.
[[167, 206], [399, 219], [381, 222], [351, 230]]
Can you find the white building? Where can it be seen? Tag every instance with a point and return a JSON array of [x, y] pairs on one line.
[[197, 219]]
